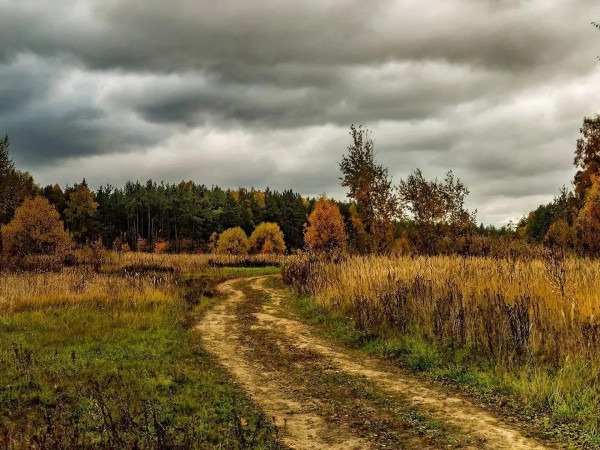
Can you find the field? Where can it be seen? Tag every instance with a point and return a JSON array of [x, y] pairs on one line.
[[527, 330], [202, 351], [109, 359]]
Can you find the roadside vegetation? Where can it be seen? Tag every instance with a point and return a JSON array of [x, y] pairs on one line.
[[497, 326]]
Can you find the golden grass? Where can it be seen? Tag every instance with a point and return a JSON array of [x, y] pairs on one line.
[[528, 328], [131, 277], [501, 306], [471, 276], [27, 290], [188, 262]]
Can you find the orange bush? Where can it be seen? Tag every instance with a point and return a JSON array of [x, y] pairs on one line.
[[36, 229], [142, 245], [161, 246]]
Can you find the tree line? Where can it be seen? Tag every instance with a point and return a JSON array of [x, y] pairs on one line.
[[416, 215], [572, 219]]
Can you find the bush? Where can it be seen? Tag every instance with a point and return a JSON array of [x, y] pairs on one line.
[[117, 245], [161, 246], [142, 245], [186, 245], [233, 242], [267, 238], [36, 229]]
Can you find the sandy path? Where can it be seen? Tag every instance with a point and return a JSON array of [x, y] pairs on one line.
[[303, 429], [306, 429]]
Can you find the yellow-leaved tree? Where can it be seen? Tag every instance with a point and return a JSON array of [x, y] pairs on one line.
[[267, 237], [233, 241], [325, 232], [561, 234], [36, 229]]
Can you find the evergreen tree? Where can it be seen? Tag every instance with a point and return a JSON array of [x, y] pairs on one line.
[[82, 213]]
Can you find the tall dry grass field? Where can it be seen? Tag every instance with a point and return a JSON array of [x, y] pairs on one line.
[[534, 325], [30, 290], [187, 262]]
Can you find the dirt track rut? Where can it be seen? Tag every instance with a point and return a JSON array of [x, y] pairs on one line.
[[303, 425]]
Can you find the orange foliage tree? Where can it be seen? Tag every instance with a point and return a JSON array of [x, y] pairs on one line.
[[325, 231], [267, 237], [588, 220], [36, 229], [233, 241], [587, 155]]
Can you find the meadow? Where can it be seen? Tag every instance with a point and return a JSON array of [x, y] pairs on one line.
[[103, 352], [106, 357], [526, 329]]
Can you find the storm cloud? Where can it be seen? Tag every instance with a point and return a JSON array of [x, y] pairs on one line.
[[259, 93]]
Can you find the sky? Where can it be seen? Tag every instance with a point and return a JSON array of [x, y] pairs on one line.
[[262, 93]]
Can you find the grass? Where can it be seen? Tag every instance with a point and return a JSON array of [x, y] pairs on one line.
[[528, 327], [113, 362]]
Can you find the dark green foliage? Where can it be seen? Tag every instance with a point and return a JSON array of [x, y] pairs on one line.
[[14, 184], [564, 207], [539, 222], [189, 212]]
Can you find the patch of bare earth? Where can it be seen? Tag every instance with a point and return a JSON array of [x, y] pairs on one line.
[[324, 397], [301, 427]]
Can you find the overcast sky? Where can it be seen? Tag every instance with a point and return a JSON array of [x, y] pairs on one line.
[[262, 92]]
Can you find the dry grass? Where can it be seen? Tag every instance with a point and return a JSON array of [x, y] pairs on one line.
[[427, 283], [130, 277], [533, 324], [26, 290], [189, 262]]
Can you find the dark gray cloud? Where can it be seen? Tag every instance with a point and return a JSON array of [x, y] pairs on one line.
[[261, 93]]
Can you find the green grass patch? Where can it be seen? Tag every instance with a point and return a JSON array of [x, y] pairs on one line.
[[121, 377]]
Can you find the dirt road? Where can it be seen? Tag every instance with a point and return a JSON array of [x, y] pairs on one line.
[[323, 396]]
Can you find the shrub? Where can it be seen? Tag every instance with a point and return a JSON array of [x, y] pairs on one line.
[[186, 245], [161, 246], [267, 238], [117, 245], [142, 245], [36, 229], [93, 254], [233, 242]]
